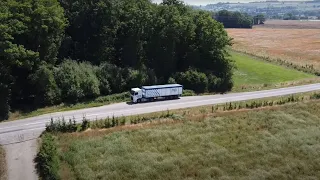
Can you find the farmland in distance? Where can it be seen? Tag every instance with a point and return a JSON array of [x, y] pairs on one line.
[[296, 42]]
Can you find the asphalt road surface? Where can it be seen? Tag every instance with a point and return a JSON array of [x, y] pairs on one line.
[[19, 137]]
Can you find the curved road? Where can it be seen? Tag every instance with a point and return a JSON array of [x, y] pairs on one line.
[[19, 136]]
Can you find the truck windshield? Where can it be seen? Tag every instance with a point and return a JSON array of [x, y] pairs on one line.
[[132, 93]]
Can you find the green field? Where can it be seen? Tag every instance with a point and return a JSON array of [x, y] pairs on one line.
[[251, 71], [275, 143]]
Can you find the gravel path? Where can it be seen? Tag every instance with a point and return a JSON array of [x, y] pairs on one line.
[[20, 158]]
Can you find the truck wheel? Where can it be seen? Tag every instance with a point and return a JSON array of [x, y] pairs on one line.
[[139, 100]]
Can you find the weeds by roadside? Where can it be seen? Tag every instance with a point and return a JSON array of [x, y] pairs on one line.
[[3, 164], [47, 160], [63, 126]]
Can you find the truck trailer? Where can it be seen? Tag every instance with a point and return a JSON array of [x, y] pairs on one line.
[[156, 92]]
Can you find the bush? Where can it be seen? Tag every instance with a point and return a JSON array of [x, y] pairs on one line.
[[172, 81], [46, 89], [47, 160], [116, 80], [5, 92], [113, 75], [68, 79], [90, 83], [4, 101], [134, 78], [77, 81], [213, 83], [114, 98], [187, 92], [194, 80]]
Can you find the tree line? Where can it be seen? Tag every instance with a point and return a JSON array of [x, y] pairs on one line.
[[54, 51], [235, 19]]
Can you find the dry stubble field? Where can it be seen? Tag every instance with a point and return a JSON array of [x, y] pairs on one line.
[[293, 41]]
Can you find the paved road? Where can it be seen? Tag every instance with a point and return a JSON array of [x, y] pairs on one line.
[[28, 129]]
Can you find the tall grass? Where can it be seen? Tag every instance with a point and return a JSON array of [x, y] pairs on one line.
[[278, 143], [3, 164], [47, 160], [62, 125]]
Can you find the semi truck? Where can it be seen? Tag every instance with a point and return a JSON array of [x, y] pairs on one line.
[[156, 92]]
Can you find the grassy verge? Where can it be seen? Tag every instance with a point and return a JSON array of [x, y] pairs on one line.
[[307, 68], [252, 71], [100, 101], [3, 166], [278, 142]]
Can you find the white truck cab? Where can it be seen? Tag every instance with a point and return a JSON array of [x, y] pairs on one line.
[[136, 95]]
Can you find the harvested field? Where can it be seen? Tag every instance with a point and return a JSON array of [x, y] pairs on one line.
[[298, 46], [291, 24]]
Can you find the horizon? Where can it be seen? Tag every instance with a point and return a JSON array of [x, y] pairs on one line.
[[206, 2]]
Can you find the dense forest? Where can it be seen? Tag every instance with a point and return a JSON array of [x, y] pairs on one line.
[[54, 51]]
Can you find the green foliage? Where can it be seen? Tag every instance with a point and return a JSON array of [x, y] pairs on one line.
[[77, 81], [5, 91], [48, 163], [46, 89], [171, 81], [234, 19], [194, 80], [85, 124], [30, 33], [117, 45], [259, 19]]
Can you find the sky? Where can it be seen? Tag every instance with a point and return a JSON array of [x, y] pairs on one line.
[[205, 2]]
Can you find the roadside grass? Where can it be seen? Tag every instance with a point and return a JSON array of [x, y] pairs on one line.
[[100, 101], [279, 142], [3, 164], [254, 71]]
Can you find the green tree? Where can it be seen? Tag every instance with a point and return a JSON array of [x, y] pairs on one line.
[[47, 91], [259, 19]]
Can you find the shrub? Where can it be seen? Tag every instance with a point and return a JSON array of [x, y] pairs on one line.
[[115, 79], [171, 81], [134, 78], [4, 101], [69, 80], [187, 92], [5, 92], [46, 89], [89, 81], [114, 98], [77, 80], [47, 160], [194, 80], [213, 83], [85, 124], [113, 75]]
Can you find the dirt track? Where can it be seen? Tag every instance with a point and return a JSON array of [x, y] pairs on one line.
[[20, 158]]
